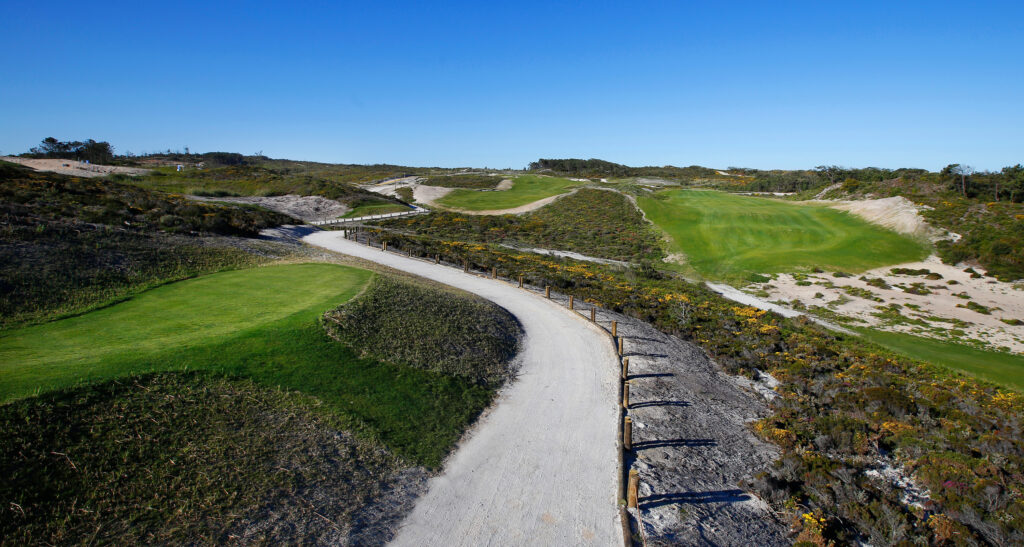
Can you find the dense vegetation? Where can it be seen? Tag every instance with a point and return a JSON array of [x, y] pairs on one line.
[[992, 229], [478, 181], [845, 407], [431, 328], [595, 222], [69, 244], [526, 189], [181, 458], [731, 237], [88, 150]]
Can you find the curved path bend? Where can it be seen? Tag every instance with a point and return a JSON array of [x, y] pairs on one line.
[[540, 468]]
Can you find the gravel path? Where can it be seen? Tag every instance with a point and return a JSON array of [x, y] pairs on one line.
[[540, 468]]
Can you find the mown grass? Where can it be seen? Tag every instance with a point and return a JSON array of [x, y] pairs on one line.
[[260, 324], [181, 458], [430, 328], [729, 237], [1002, 368], [376, 209], [526, 189]]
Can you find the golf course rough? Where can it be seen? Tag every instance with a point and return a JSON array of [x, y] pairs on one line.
[[729, 237], [525, 189]]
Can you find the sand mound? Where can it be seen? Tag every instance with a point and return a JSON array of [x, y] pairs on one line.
[[896, 213]]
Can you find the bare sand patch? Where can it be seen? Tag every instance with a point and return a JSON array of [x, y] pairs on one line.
[[941, 314], [896, 213], [74, 167]]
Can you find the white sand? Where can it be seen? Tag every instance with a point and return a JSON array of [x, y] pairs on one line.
[[942, 303], [540, 468]]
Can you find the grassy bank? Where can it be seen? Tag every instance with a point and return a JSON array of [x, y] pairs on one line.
[[526, 189], [69, 245], [476, 180], [260, 324], [1002, 368], [430, 328], [181, 458], [729, 237]]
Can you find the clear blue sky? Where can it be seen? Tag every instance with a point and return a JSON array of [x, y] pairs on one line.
[[756, 84]]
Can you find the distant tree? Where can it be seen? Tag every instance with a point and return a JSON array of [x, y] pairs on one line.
[[1014, 180], [831, 172]]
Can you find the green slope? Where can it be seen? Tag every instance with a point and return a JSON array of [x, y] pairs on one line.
[[526, 189], [727, 237]]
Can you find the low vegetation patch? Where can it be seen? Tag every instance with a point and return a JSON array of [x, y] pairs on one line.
[[182, 458], [593, 222], [430, 328], [525, 189], [477, 181]]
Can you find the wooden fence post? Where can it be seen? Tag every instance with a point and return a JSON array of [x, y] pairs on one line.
[[615, 328], [625, 395], [572, 300], [625, 368], [621, 340], [494, 273], [547, 291], [634, 489], [520, 282], [437, 259], [593, 315], [627, 433], [384, 246]]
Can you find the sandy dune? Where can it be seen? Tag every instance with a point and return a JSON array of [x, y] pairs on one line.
[[74, 168], [540, 467]]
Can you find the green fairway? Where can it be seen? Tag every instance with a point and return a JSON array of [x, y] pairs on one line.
[[1002, 368], [725, 236], [261, 324], [376, 209], [526, 189]]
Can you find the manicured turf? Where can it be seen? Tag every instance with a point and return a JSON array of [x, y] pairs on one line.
[[1002, 368], [378, 209], [527, 189], [728, 237], [261, 324]]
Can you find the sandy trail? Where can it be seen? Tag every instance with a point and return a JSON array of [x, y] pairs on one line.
[[540, 467]]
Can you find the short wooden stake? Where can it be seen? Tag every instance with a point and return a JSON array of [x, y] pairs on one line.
[[625, 368], [437, 259], [494, 273], [634, 489], [465, 266], [547, 291], [593, 315], [615, 328], [621, 340], [627, 433], [384, 246], [520, 282], [625, 395], [572, 300]]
